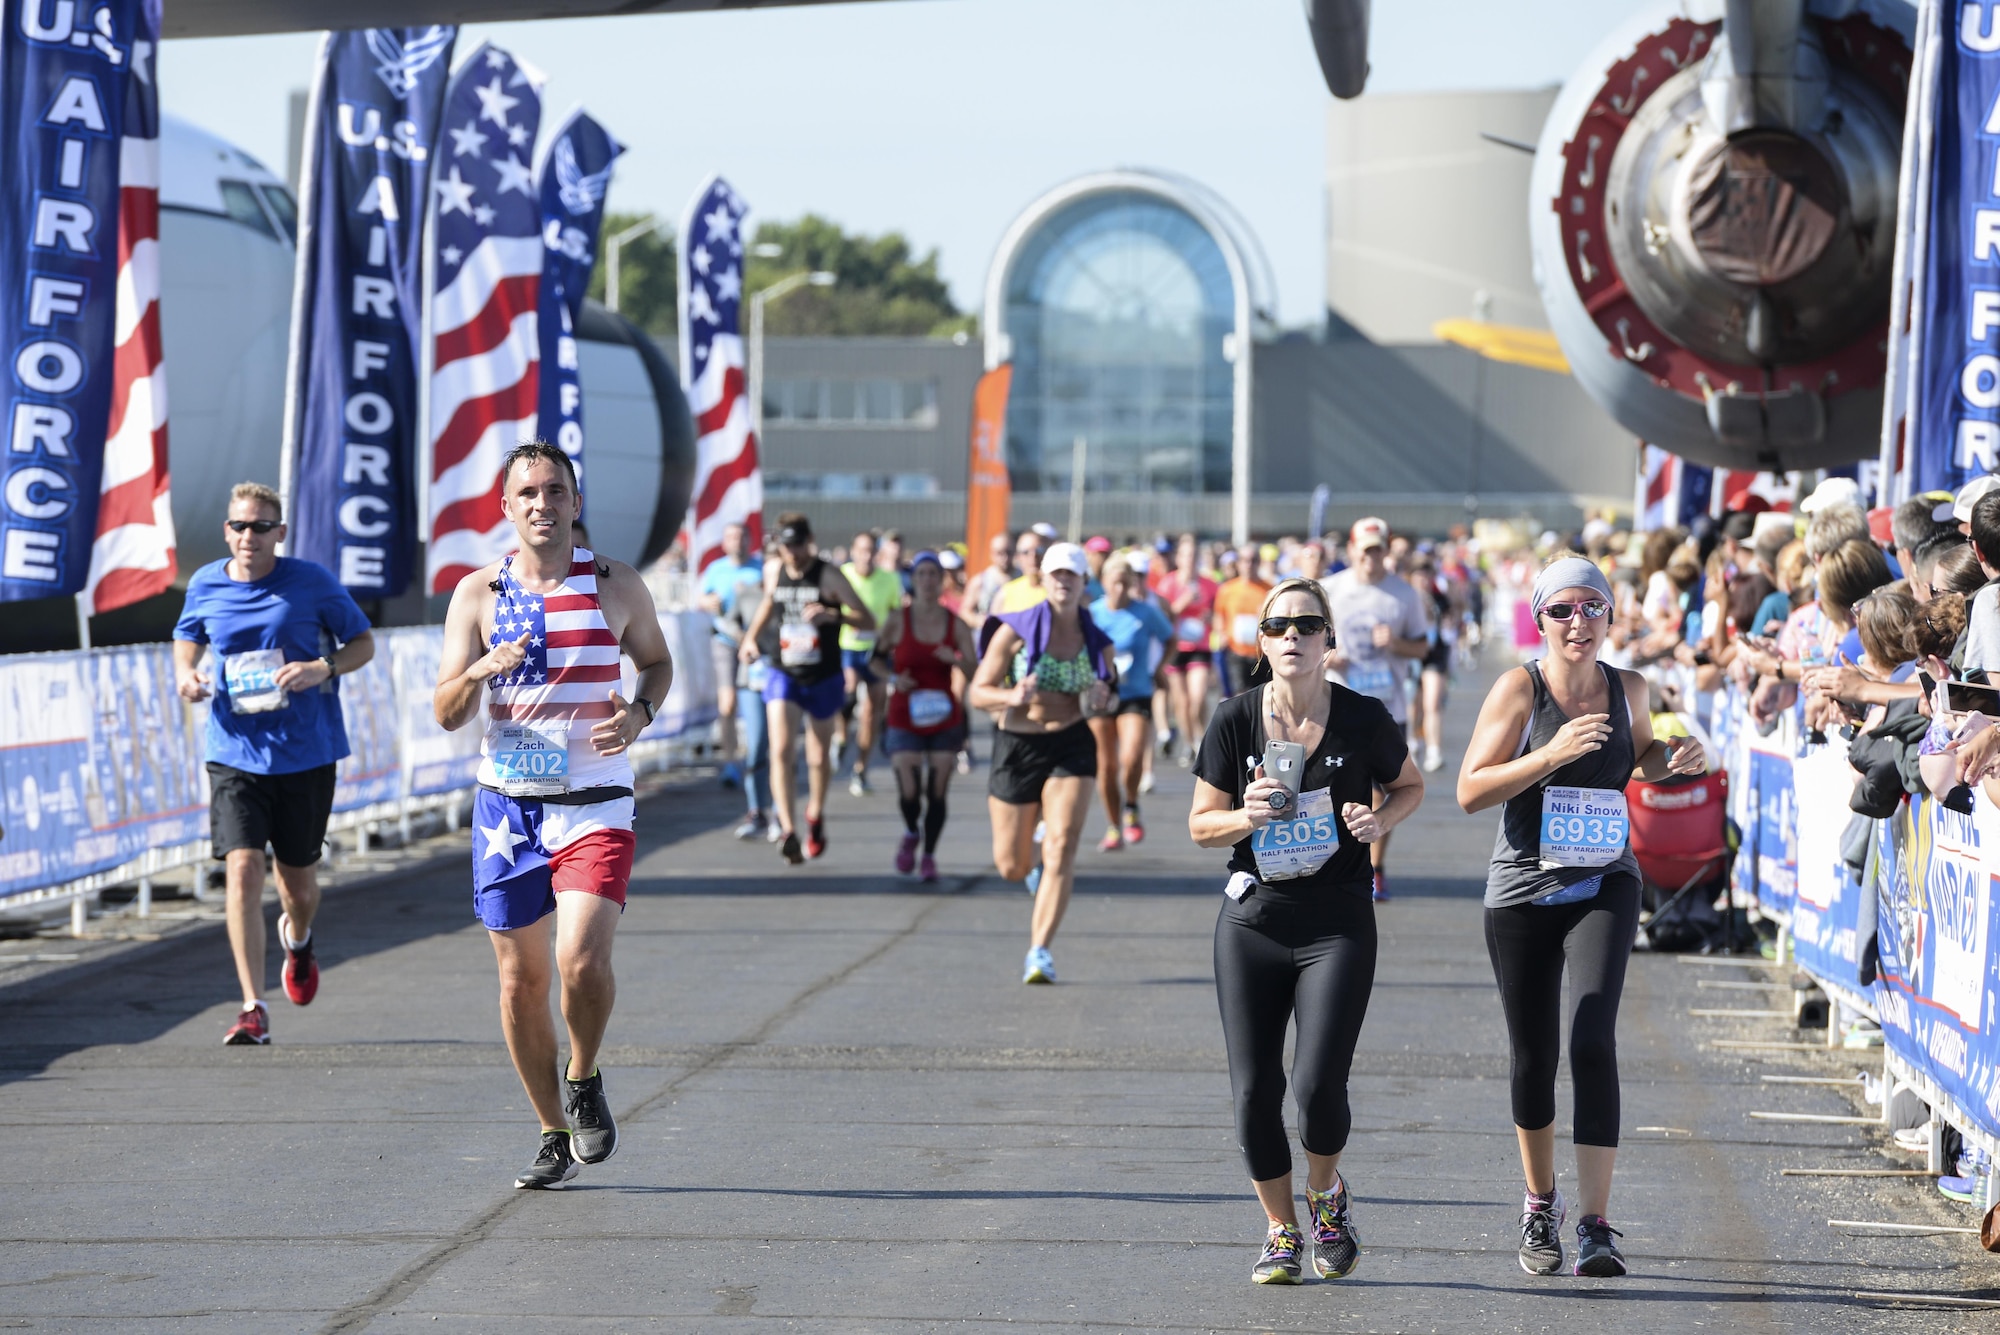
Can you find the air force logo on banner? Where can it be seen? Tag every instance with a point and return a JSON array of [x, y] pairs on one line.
[[579, 193], [402, 63]]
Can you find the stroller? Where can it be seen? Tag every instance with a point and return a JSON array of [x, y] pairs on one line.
[[1680, 838]]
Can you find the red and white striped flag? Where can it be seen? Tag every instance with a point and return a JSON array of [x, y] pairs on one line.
[[728, 488], [132, 556], [487, 252]]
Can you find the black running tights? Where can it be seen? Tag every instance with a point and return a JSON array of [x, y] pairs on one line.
[[1275, 961], [911, 800], [1531, 944]]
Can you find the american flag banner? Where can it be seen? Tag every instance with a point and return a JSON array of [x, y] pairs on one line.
[[487, 272], [728, 488], [133, 555]]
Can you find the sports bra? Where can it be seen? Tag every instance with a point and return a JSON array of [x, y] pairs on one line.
[[1063, 676]]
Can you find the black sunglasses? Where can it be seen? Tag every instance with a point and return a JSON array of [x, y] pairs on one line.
[[258, 526], [1594, 610], [1309, 624]]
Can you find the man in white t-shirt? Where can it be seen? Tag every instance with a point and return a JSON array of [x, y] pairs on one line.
[[1379, 625]]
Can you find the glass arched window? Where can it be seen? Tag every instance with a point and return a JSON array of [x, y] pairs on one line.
[[1118, 305]]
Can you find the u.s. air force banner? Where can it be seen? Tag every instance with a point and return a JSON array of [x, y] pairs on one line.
[[63, 77], [351, 392], [576, 171]]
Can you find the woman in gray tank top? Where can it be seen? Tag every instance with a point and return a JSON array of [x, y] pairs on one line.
[[1556, 744]]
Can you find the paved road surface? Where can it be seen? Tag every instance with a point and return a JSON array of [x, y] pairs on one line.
[[841, 1111]]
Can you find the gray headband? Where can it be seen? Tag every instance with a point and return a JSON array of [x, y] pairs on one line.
[[1572, 572]]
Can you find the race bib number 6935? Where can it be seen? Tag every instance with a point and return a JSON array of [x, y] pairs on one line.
[[1583, 827]]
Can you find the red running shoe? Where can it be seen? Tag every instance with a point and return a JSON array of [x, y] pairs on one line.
[[301, 971], [1135, 832], [1112, 842], [252, 1028], [815, 838]]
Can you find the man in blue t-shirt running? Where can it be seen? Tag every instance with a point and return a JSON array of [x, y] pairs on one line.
[[278, 630]]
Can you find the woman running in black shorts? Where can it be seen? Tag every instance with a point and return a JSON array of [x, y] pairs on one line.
[[1040, 671], [923, 648], [1556, 743], [1296, 934]]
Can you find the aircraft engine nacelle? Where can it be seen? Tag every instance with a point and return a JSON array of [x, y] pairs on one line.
[[1713, 214]]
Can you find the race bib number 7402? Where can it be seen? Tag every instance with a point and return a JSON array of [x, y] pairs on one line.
[[1583, 827]]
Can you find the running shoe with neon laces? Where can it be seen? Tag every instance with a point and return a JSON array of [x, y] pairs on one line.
[[906, 854], [553, 1165], [595, 1137], [1039, 967], [301, 971], [1597, 1256], [1381, 895], [1280, 1263], [1111, 842], [1135, 829], [927, 869], [789, 850], [1336, 1246], [815, 838], [252, 1028], [1541, 1232]]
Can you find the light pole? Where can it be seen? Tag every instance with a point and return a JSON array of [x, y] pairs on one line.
[[758, 300], [652, 222]]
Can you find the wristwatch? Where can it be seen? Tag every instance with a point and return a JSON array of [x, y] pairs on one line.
[[331, 670], [650, 711]]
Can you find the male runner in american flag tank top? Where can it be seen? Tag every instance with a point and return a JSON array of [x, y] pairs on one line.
[[532, 645]]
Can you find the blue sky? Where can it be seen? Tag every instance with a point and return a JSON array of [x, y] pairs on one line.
[[943, 118]]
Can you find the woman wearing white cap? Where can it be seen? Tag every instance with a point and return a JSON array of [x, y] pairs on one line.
[[1041, 670], [1556, 743]]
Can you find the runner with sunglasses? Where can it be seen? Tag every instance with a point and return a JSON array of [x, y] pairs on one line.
[[1286, 779], [1556, 744], [1042, 671], [279, 631]]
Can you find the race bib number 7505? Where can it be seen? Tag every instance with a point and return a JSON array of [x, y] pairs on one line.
[[1298, 842]]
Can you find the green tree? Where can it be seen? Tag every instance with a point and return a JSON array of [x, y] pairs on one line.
[[882, 287], [648, 281]]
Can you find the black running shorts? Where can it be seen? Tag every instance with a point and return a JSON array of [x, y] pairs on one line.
[[1024, 761], [286, 811]]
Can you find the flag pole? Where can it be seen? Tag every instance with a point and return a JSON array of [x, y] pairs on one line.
[[288, 450]]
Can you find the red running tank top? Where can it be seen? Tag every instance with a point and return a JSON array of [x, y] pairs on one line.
[[920, 710]]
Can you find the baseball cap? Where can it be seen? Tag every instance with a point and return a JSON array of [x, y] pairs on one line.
[[795, 533], [1046, 532], [1369, 532], [1774, 529], [1833, 491], [947, 559], [1879, 525], [926, 555], [1970, 495], [1140, 560], [1065, 556], [1268, 552], [1100, 543]]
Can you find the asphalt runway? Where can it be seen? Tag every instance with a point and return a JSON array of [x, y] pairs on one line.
[[841, 1111]]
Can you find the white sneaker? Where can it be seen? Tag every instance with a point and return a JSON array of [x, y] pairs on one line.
[[1433, 760], [1041, 828], [858, 785], [1146, 782], [965, 762]]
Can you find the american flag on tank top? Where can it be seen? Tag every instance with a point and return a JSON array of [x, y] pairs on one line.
[[570, 669]]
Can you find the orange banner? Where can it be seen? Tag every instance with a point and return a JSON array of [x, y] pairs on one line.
[[988, 491]]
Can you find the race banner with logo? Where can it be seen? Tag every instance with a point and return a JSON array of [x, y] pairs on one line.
[[989, 489], [64, 75], [576, 171], [485, 274], [1953, 243], [351, 387], [1827, 892], [1935, 929]]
